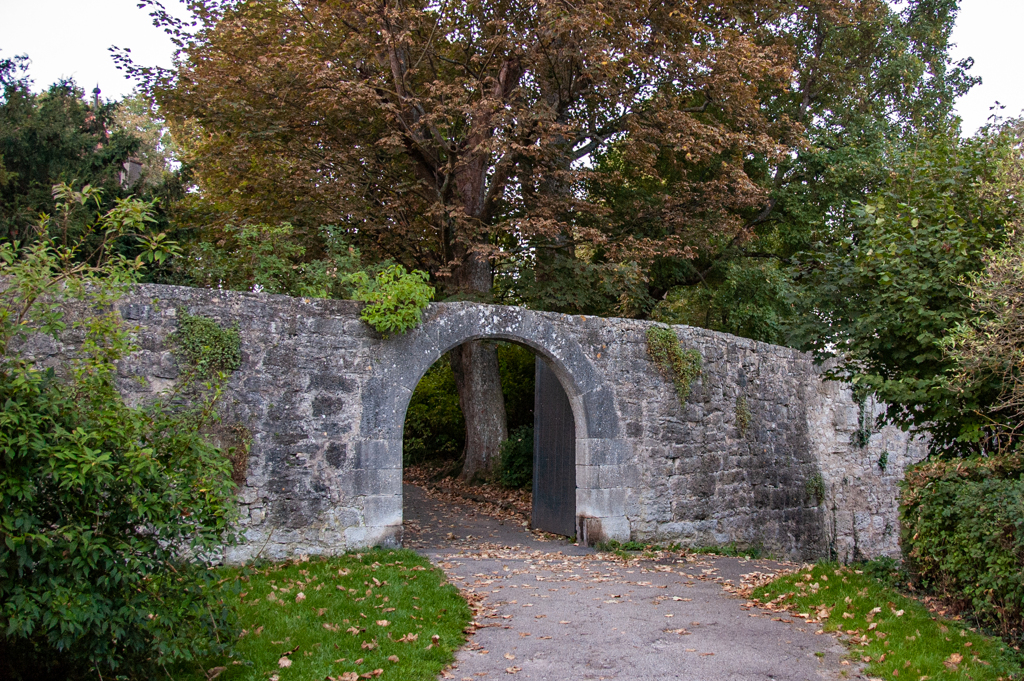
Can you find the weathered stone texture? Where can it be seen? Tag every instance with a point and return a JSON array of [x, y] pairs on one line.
[[324, 397]]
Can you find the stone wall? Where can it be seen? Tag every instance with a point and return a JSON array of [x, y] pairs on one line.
[[324, 398]]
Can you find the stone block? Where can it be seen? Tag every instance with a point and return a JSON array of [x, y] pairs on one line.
[[588, 477], [591, 531], [377, 482], [600, 503], [377, 454], [382, 510], [591, 452], [611, 476]]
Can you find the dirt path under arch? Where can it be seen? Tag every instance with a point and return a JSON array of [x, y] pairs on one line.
[[546, 609]]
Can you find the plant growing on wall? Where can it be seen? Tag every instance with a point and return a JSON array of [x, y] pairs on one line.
[[680, 366], [395, 298], [205, 346], [742, 414]]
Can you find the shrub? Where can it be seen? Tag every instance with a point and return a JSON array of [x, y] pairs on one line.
[[396, 298], [517, 459], [108, 514], [963, 533], [434, 426]]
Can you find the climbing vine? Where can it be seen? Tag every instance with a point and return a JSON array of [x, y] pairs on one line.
[[205, 346], [742, 414], [883, 460], [681, 366]]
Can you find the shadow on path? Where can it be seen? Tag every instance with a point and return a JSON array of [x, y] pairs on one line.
[[553, 611]]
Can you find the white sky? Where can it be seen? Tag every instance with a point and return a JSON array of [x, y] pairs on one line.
[[70, 38]]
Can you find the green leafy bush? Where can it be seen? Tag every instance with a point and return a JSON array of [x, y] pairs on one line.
[[680, 366], [273, 259], [963, 533], [435, 429], [396, 298], [109, 515], [516, 365], [517, 459], [434, 426], [204, 346]]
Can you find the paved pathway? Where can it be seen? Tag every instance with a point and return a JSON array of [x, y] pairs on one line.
[[560, 612]]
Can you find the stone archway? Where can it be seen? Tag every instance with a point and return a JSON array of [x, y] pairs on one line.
[[400, 362]]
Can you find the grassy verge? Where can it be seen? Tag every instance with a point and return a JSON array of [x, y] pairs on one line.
[[379, 614], [895, 635]]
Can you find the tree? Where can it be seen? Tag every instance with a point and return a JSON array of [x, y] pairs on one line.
[[987, 347], [156, 152], [51, 138], [882, 287], [436, 133], [868, 76]]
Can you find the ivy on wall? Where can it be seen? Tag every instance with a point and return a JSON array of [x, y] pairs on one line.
[[203, 345], [680, 366]]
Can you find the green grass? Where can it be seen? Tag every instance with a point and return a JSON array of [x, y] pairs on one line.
[[896, 635], [355, 615]]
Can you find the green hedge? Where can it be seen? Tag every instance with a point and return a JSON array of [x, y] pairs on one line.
[[963, 534]]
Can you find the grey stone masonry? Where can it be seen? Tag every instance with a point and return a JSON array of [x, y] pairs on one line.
[[761, 453]]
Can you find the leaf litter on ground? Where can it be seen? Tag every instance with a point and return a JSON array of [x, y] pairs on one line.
[[896, 637], [336, 631]]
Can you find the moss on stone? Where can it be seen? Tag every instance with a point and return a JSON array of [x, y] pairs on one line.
[[682, 367]]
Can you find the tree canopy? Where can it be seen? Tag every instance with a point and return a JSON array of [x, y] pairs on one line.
[[440, 133], [50, 138]]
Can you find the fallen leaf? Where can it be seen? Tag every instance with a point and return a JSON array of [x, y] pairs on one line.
[[392, 658], [382, 623], [284, 662], [299, 597], [513, 670], [215, 672]]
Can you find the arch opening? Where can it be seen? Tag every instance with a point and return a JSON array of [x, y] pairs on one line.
[[536, 466]]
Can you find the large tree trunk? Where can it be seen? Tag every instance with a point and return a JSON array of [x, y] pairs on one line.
[[475, 365]]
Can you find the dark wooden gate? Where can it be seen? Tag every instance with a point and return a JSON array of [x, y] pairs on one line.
[[554, 455]]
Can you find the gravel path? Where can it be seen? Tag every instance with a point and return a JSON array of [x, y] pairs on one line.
[[550, 610]]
